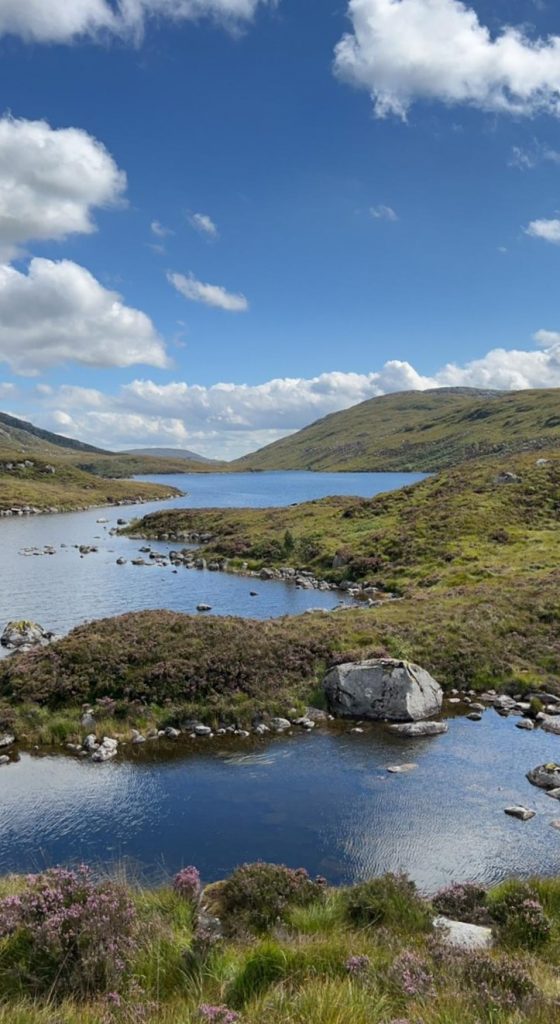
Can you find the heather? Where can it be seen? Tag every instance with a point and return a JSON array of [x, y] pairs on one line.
[[79, 948]]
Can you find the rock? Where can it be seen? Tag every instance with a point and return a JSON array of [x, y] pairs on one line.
[[545, 776], [242, 733], [6, 740], [460, 935], [202, 730], [475, 716], [401, 769], [517, 811], [550, 724], [507, 478], [90, 743], [554, 793], [382, 689], [419, 729], [280, 724], [107, 750], [171, 733], [87, 720], [23, 634], [121, 561], [555, 824], [261, 729], [305, 723], [316, 715], [525, 724], [357, 730], [138, 739], [204, 607], [4, 759]]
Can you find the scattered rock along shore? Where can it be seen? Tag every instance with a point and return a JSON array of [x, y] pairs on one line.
[[34, 510]]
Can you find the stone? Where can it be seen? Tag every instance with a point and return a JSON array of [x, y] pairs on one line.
[[555, 824], [382, 689], [545, 776], [261, 729], [475, 716], [6, 740], [23, 634], [204, 607], [4, 759], [525, 724], [522, 813], [107, 750], [90, 743], [121, 561], [171, 733], [413, 729], [460, 935], [401, 769], [202, 730], [316, 715], [280, 724], [554, 793], [550, 724], [87, 720]]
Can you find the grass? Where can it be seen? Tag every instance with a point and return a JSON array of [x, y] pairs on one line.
[[298, 973], [425, 431], [456, 528], [68, 488]]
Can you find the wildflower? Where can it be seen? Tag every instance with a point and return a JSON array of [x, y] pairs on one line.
[[411, 974], [357, 965], [187, 884], [217, 1014]]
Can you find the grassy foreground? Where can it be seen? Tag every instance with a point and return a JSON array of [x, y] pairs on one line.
[[55, 483], [288, 950]]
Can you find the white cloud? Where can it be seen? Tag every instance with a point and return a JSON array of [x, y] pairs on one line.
[[227, 420], [382, 212], [159, 230], [528, 159], [209, 294], [204, 224], [7, 390], [548, 230], [50, 182], [58, 312], [63, 21], [407, 50]]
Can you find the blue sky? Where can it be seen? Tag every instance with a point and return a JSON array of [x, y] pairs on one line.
[[362, 222]]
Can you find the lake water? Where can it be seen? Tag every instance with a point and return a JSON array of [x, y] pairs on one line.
[[323, 801], [62, 590]]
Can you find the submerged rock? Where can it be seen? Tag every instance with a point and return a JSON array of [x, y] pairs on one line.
[[522, 813], [419, 729], [401, 769], [384, 689]]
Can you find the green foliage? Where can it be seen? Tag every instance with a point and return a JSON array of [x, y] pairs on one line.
[[259, 895], [391, 901], [518, 911]]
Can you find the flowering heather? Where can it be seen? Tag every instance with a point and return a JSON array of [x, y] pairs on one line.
[[76, 935], [462, 902], [217, 1014], [187, 884], [411, 975], [521, 914], [259, 895], [357, 965], [499, 980]]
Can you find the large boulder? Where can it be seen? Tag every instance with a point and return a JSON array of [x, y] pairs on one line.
[[383, 689], [23, 634], [545, 776]]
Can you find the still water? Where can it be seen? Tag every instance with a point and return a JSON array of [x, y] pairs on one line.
[[62, 590], [323, 801]]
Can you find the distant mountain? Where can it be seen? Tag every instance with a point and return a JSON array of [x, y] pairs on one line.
[[169, 453], [417, 430], [20, 435]]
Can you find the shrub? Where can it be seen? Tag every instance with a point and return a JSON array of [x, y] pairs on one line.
[[217, 1014], [499, 980], [516, 907], [258, 895], [66, 932], [411, 976], [462, 902], [187, 884], [357, 966], [391, 900]]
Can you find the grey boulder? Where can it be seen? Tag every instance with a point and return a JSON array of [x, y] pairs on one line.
[[6, 740], [23, 634], [419, 729], [545, 776], [384, 689], [460, 935]]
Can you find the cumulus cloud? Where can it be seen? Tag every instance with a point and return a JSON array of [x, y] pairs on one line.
[[227, 419], [383, 213], [204, 224], [407, 50], [209, 294], [159, 230], [63, 21], [50, 182], [58, 312], [548, 230]]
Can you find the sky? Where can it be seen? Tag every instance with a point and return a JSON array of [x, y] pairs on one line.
[[223, 219]]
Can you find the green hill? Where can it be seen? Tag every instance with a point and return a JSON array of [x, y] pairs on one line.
[[418, 430]]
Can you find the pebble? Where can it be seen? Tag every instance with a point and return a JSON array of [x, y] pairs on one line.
[[522, 813]]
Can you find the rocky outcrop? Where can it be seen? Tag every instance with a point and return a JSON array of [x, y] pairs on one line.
[[383, 689], [545, 776], [24, 634]]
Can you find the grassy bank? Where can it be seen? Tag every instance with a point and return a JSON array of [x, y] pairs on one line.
[[285, 950], [54, 483], [465, 525]]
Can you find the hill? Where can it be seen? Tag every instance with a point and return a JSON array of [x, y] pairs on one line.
[[18, 439], [417, 430], [170, 453]]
